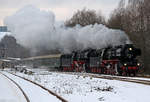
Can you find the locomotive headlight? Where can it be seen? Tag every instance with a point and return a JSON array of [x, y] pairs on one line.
[[125, 64], [138, 64], [130, 49]]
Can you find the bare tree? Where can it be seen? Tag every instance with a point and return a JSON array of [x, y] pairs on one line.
[[85, 17]]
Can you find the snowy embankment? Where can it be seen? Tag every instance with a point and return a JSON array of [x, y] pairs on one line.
[[85, 89]]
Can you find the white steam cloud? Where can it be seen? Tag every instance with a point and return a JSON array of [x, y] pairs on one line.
[[37, 29]]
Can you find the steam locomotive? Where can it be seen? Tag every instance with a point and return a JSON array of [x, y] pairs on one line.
[[118, 60]]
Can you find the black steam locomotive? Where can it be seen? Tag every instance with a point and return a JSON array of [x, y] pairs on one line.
[[118, 60]]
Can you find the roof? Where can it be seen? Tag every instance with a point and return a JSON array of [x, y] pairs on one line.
[[11, 58], [43, 57], [5, 60]]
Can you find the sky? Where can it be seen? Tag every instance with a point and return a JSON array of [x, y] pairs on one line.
[[63, 9]]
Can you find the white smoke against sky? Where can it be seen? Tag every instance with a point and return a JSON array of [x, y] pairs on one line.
[[35, 29], [31, 26]]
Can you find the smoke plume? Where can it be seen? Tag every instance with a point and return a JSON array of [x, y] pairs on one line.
[[36, 29]]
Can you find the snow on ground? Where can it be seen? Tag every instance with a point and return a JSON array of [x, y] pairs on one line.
[[9, 92], [35, 93], [76, 88]]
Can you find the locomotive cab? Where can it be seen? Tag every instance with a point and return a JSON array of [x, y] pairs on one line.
[[66, 62], [94, 61]]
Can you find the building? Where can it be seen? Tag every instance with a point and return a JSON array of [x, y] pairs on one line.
[[3, 29]]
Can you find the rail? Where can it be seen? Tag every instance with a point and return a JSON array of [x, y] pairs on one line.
[[52, 93], [25, 95]]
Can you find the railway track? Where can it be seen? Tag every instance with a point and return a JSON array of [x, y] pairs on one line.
[[109, 77], [49, 91], [18, 86], [145, 82]]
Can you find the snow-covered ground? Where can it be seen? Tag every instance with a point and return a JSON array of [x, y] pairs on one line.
[[76, 88], [9, 91], [34, 93]]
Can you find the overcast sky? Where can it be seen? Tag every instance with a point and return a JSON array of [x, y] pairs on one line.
[[63, 9]]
